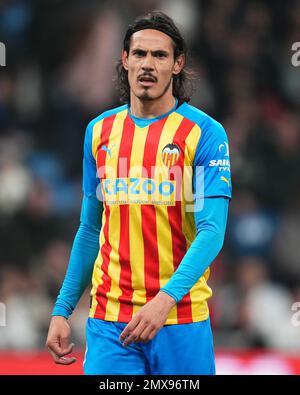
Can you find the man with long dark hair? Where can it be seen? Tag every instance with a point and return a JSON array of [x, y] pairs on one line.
[[163, 175]]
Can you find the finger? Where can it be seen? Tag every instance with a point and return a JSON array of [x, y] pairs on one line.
[[129, 328], [145, 335], [64, 343], [149, 336], [58, 350], [62, 360], [66, 361], [153, 333], [66, 349], [134, 336]]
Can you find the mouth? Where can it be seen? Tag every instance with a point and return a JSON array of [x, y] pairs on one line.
[[147, 80]]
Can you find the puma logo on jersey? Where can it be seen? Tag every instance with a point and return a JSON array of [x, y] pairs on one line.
[[104, 148], [222, 178]]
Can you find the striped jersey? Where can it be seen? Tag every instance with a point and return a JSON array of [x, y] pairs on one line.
[[148, 176]]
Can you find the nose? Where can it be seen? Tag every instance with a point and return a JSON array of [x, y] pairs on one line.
[[148, 63]]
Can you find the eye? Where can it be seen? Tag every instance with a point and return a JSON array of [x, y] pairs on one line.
[[138, 53], [161, 55]]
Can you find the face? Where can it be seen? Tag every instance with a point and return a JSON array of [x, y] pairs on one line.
[[150, 64]]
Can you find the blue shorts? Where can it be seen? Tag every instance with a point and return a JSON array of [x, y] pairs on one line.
[[176, 349]]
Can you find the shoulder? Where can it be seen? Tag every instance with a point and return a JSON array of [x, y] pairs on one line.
[[105, 114], [210, 127], [92, 134]]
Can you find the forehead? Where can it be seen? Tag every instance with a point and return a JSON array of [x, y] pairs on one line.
[[151, 39]]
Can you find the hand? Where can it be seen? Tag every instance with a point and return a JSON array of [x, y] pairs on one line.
[[58, 341], [148, 320]]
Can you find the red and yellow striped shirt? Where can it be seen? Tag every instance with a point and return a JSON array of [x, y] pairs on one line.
[[146, 227]]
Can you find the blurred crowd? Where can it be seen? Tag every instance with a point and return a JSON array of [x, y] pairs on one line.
[[59, 75]]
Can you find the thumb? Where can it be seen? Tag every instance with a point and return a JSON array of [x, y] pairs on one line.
[[66, 346]]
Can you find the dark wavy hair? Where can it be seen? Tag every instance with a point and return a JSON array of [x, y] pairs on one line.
[[157, 20]]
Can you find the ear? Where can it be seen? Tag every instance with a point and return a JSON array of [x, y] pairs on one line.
[[179, 64], [124, 60]]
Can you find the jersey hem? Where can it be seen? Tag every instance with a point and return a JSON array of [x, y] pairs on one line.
[[170, 321]]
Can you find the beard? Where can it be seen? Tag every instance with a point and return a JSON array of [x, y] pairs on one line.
[[147, 96]]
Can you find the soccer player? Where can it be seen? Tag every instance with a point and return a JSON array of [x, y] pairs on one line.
[[160, 169]]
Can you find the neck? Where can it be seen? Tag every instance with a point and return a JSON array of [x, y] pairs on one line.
[[151, 108]]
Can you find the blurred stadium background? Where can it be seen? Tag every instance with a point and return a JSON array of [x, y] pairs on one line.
[[58, 76]]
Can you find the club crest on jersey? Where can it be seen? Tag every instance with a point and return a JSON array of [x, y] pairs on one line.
[[170, 154]]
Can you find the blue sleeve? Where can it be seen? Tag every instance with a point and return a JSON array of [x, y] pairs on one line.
[[83, 255], [212, 163], [211, 225], [90, 180], [86, 242]]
